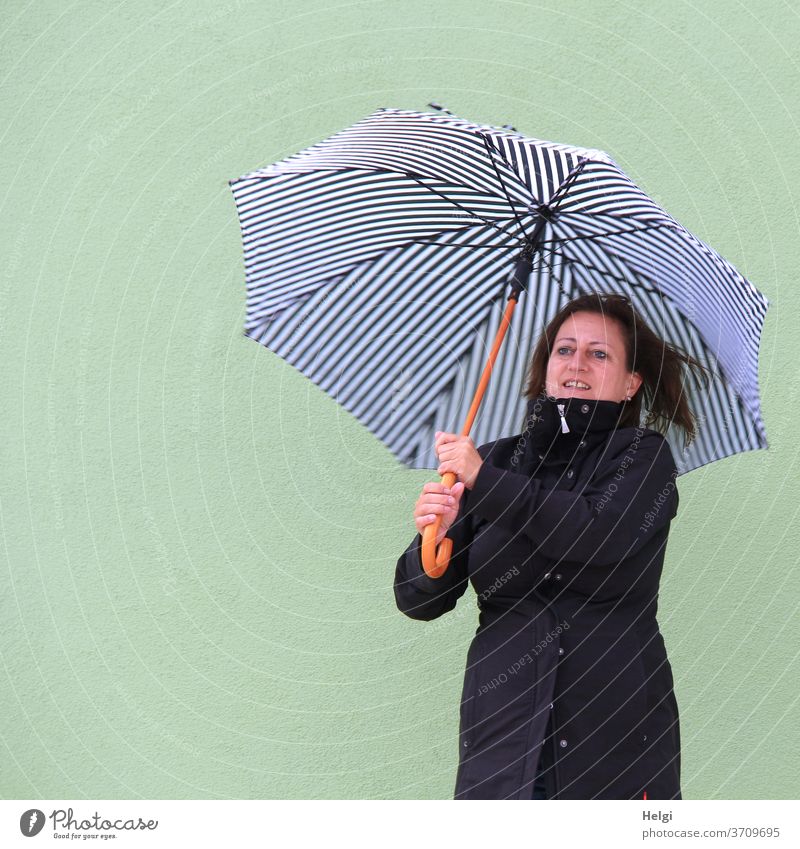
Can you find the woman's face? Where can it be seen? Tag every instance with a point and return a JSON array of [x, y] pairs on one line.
[[590, 349]]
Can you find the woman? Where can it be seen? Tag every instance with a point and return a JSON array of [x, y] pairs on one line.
[[562, 530]]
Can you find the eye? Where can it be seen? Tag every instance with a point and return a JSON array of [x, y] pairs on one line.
[[563, 348], [602, 355]]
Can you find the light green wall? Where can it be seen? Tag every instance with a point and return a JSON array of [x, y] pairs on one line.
[[198, 545]]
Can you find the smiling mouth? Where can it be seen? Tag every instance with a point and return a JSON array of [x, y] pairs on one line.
[[576, 384]]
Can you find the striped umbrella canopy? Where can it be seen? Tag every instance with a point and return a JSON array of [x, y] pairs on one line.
[[377, 264]]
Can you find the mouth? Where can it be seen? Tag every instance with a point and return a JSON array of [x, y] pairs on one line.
[[576, 384]]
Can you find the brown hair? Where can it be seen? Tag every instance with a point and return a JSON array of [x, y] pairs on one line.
[[660, 365]]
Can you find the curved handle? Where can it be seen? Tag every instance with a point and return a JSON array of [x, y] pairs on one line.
[[436, 560]]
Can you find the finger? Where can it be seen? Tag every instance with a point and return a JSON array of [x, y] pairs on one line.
[[436, 506], [427, 509], [438, 499], [433, 501], [445, 437], [434, 486]]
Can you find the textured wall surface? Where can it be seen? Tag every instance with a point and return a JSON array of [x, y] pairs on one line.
[[197, 544]]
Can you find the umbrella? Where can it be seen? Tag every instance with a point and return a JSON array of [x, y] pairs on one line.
[[381, 261]]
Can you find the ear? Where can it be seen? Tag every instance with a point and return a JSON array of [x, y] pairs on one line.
[[634, 383]]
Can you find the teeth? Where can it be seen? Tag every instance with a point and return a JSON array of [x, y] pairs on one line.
[[577, 383]]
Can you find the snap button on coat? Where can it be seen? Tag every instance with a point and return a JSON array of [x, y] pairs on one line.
[[581, 659]]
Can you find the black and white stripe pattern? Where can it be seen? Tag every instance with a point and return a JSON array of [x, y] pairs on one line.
[[377, 260]]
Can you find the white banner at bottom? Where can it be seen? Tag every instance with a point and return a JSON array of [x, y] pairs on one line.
[[406, 824]]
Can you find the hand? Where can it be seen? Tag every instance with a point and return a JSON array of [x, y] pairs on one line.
[[458, 454], [437, 499]]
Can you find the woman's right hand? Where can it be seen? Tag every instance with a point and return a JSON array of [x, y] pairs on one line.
[[434, 500]]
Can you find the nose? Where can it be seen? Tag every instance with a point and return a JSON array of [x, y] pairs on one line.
[[578, 362]]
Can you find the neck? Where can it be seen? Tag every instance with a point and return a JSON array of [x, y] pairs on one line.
[[555, 426]]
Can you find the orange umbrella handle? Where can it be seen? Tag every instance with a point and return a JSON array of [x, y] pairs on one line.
[[439, 557], [436, 560]]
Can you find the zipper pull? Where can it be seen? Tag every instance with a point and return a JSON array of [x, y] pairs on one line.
[[564, 425]]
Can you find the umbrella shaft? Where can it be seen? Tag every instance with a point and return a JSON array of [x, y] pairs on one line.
[[487, 371], [522, 270]]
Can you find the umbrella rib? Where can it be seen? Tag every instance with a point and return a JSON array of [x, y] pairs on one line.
[[550, 266], [500, 231], [444, 197], [560, 280], [604, 273], [458, 245], [419, 180], [502, 182], [571, 177], [611, 233], [604, 249]]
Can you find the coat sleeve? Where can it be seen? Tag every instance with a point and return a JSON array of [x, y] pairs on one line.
[[421, 597], [631, 496]]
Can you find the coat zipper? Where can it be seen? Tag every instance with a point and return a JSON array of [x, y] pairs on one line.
[[556, 772], [564, 426], [554, 755]]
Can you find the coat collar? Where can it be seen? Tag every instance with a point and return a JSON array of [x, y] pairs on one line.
[[589, 421]]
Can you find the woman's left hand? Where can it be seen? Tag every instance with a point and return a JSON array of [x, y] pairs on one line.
[[458, 454]]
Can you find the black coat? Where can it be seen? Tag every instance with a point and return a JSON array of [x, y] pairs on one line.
[[562, 538]]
